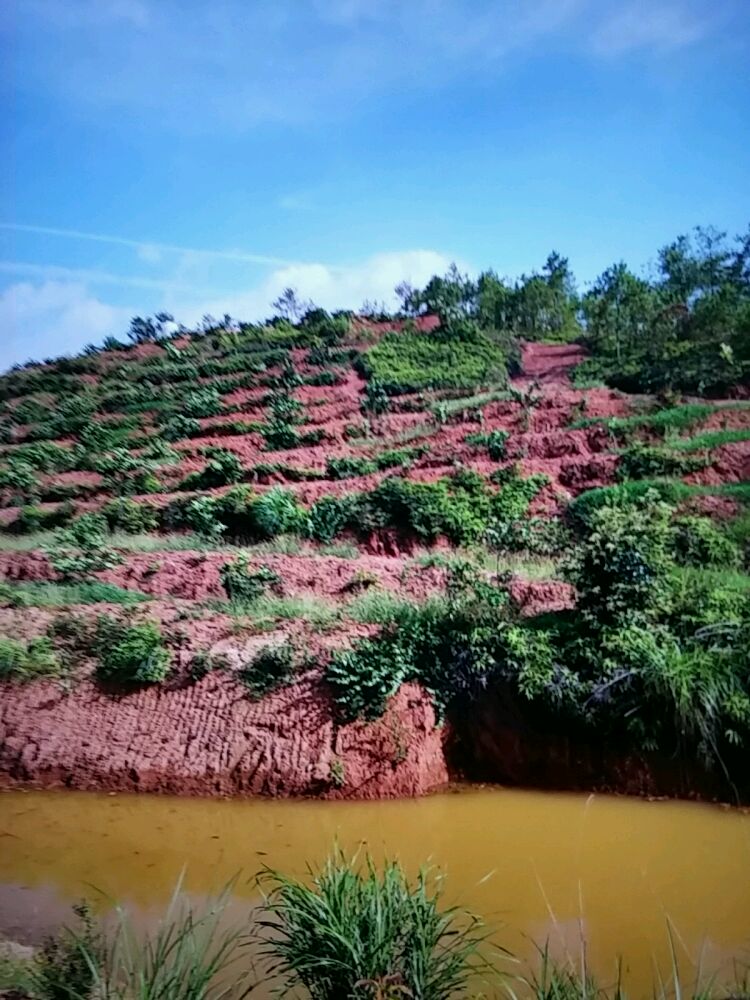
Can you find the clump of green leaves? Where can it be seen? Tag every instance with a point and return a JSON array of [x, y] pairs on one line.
[[455, 357], [496, 443], [222, 469], [642, 461], [68, 965], [273, 667], [27, 661], [81, 548], [130, 654], [243, 584]]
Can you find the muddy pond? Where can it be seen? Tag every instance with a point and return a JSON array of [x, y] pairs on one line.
[[536, 866]]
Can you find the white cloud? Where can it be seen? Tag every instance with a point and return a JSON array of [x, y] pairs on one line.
[[646, 24], [60, 314], [52, 318], [241, 64], [330, 287]]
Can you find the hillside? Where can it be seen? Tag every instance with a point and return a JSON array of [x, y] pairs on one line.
[[339, 558]]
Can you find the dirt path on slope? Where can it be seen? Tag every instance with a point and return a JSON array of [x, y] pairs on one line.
[[550, 364]]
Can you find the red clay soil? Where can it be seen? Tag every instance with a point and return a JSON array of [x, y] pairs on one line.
[[195, 575], [210, 739]]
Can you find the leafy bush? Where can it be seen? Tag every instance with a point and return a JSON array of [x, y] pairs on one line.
[[446, 646], [347, 467], [407, 362], [130, 654], [26, 661], [123, 514], [583, 508], [277, 512], [126, 473], [538, 536], [494, 441], [178, 427], [270, 669], [242, 584], [329, 516], [81, 549], [699, 542], [45, 456], [31, 519], [619, 567], [68, 965], [642, 461], [203, 402], [222, 468], [393, 457]]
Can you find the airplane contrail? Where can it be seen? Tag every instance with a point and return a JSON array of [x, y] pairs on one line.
[[75, 234]]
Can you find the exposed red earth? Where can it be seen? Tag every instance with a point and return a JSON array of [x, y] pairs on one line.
[[209, 737]]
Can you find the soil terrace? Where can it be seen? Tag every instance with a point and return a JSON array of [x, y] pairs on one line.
[[208, 737]]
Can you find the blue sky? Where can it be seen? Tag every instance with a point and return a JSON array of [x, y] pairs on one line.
[[198, 157]]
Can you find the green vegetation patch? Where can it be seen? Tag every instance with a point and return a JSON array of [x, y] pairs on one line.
[[53, 595], [407, 362]]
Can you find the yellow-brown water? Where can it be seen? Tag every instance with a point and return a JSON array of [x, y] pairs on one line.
[[536, 865]]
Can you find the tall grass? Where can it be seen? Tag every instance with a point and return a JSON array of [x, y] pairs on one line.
[[711, 439], [191, 955], [358, 932], [670, 421], [57, 595]]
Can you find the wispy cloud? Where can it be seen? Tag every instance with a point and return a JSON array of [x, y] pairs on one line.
[[240, 65], [148, 248], [646, 24], [56, 272]]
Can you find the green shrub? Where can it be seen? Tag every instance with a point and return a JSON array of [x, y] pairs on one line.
[[178, 427], [33, 519], [445, 645], [277, 512], [494, 441], [642, 461], [123, 514], [203, 402], [270, 669], [582, 509], [68, 965], [538, 536], [126, 473], [27, 661], [329, 516], [130, 654], [81, 549], [242, 584], [20, 482], [222, 469], [699, 542], [407, 362], [620, 565], [45, 456], [348, 467], [394, 457], [376, 399]]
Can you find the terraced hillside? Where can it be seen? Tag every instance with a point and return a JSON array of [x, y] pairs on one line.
[[215, 546]]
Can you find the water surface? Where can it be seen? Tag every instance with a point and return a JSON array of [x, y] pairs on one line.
[[537, 866]]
